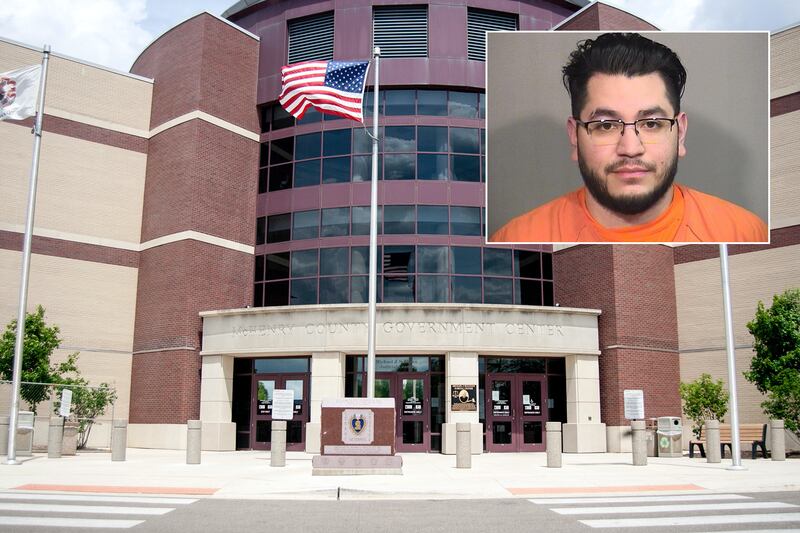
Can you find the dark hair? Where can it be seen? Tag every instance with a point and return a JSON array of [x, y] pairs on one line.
[[629, 54]]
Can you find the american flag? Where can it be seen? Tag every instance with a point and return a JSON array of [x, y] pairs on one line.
[[335, 87]]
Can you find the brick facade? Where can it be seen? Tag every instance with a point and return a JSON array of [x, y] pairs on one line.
[[605, 17]]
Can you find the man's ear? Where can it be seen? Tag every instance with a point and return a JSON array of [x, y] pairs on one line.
[[683, 122], [572, 133]]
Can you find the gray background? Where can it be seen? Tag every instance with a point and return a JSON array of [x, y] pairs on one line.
[[726, 101]]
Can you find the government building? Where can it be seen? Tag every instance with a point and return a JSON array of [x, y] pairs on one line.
[[201, 248]]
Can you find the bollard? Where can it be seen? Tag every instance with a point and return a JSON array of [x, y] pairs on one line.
[[55, 434], [119, 440], [277, 455], [4, 422], [777, 442], [193, 438], [463, 445], [639, 442], [713, 450], [553, 436]]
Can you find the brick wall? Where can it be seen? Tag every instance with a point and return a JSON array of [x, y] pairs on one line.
[[605, 17]]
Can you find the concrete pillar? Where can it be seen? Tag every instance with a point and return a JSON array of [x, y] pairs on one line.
[[639, 442], [216, 397], [583, 432], [713, 452], [553, 435], [277, 456], [119, 439], [463, 445], [194, 435], [55, 434], [327, 381], [777, 442], [461, 369], [4, 422]]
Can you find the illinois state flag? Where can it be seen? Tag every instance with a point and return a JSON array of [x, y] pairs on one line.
[[335, 87], [18, 91]]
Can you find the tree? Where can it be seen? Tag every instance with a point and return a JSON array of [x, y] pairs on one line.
[[775, 368], [88, 403], [703, 399]]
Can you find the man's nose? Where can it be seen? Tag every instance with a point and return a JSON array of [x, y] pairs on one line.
[[629, 142]]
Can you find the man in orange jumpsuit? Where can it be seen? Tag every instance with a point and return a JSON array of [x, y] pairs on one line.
[[627, 132]]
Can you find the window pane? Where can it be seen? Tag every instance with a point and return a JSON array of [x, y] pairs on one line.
[[277, 365], [433, 259], [258, 295], [482, 105], [529, 292], [527, 264], [336, 170], [432, 219], [547, 293], [282, 150], [432, 139], [277, 266], [276, 293], [336, 142], [334, 290], [305, 225], [432, 103], [281, 119], [398, 289], [261, 230], [333, 261], [432, 166], [304, 263], [360, 224], [262, 180], [306, 173], [311, 116], [465, 168], [399, 139], [466, 260], [465, 140], [497, 290], [263, 155], [359, 290], [278, 228], [466, 289], [304, 291], [433, 289], [280, 177], [465, 220], [308, 146], [398, 219], [362, 143], [496, 262], [398, 259], [399, 166], [547, 266], [362, 167], [463, 104], [399, 102], [335, 222], [259, 271]]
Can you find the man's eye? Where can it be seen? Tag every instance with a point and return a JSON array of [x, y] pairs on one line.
[[651, 125], [606, 126]]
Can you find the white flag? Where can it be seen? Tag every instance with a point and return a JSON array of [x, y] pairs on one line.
[[18, 91]]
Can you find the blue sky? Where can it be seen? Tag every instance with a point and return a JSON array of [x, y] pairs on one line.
[[114, 32]]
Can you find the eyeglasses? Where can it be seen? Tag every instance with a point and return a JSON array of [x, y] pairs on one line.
[[609, 131]]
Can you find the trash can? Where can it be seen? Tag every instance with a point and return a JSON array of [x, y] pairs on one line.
[[669, 433], [651, 438]]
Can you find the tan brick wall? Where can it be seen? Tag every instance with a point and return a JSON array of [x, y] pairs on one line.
[[785, 62], [785, 169]]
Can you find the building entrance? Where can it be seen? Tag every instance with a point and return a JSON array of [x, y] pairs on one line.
[[264, 386], [516, 412], [412, 404]]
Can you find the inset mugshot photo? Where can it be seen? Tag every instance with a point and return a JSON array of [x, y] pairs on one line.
[[627, 137]]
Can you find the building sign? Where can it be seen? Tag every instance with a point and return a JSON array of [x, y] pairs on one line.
[[412, 406], [499, 407], [283, 404], [634, 404], [529, 407], [462, 398], [66, 403], [358, 426]]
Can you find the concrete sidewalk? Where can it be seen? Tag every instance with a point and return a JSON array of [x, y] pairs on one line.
[[425, 476]]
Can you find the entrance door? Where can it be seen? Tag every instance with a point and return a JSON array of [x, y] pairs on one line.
[[264, 386], [515, 412], [412, 405]]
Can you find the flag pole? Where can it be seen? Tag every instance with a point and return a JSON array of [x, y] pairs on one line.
[[373, 234], [11, 459], [736, 450]]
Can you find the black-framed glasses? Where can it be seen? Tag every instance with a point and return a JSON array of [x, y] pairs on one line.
[[604, 132]]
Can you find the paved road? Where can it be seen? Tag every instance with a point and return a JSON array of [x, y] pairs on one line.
[[691, 513]]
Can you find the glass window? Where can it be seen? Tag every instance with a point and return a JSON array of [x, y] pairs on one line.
[[277, 266], [336, 170], [528, 292], [547, 266], [398, 219], [465, 168], [308, 146], [305, 225], [278, 365], [466, 289], [465, 140], [433, 289], [261, 230], [463, 104], [265, 116], [310, 116], [547, 293], [359, 290], [497, 262], [278, 228], [304, 263], [432, 103], [466, 260], [335, 222], [259, 271], [431, 166], [432, 139], [335, 290], [359, 260], [465, 220], [280, 177], [398, 259], [369, 100], [399, 166], [432, 219], [399, 139], [258, 295], [400, 102], [433, 259], [483, 142], [362, 143], [304, 291], [398, 289], [527, 264], [336, 142], [333, 261], [281, 119], [262, 180], [306, 173], [362, 167], [282, 150], [482, 105], [276, 293], [263, 155], [360, 224], [497, 290]]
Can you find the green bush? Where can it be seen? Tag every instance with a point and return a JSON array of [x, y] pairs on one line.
[[703, 399]]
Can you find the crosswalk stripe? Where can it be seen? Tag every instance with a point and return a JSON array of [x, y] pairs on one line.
[[93, 509], [691, 520], [742, 506], [90, 498], [83, 523], [643, 499]]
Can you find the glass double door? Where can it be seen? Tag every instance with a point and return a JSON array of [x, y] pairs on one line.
[[516, 412], [412, 405], [264, 386]]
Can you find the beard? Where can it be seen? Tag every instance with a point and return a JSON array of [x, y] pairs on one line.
[[630, 204]]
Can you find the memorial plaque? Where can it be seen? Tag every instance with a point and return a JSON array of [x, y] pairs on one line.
[[283, 405], [634, 404], [462, 398], [358, 426]]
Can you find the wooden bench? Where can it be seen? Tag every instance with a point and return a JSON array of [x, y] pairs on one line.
[[755, 434]]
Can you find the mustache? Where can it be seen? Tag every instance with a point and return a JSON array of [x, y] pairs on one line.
[[621, 163]]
